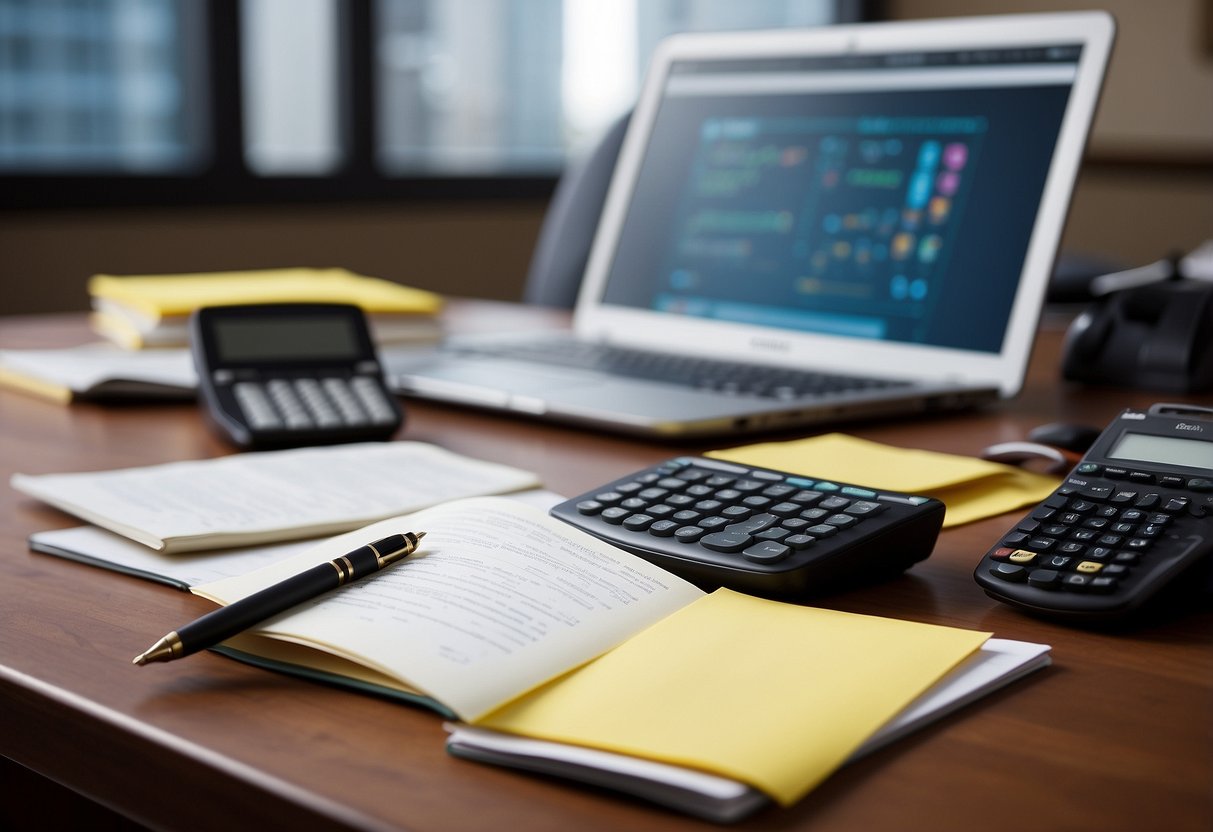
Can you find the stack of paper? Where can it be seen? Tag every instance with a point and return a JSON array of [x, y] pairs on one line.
[[558, 652], [694, 788], [153, 310], [563, 654]]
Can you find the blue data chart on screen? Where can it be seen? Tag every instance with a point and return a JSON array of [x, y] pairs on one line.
[[840, 225]]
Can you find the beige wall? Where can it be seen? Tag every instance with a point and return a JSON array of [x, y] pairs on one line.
[[476, 250], [1158, 97], [1147, 190], [1157, 108]]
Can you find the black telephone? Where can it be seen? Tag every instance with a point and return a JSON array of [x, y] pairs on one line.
[[1134, 517], [1155, 337], [280, 375]]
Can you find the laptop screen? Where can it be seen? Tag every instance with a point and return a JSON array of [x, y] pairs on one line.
[[876, 196]]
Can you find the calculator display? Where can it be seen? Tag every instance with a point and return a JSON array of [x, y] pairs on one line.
[[295, 338], [1190, 453]]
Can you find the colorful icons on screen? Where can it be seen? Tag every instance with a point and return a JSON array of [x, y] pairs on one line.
[[910, 233], [938, 210], [903, 288], [903, 244], [879, 198], [928, 248], [955, 155]]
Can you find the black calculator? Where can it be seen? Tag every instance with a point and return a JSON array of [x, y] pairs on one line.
[[1134, 517], [758, 530], [279, 375]]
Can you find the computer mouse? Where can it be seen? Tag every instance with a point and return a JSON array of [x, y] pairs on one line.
[[1032, 455], [1076, 438]]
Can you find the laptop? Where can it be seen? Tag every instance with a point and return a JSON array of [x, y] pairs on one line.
[[808, 226]]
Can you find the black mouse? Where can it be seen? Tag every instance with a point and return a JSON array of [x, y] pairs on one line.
[[1077, 438]]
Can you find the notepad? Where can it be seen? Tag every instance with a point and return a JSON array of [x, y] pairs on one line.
[[272, 496], [724, 800], [98, 547], [773, 694], [99, 372], [152, 310], [519, 624], [971, 488]]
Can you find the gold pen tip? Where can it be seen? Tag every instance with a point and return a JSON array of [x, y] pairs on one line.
[[164, 650]]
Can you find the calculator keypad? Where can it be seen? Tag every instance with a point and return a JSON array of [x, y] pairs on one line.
[[296, 404], [1098, 536], [1087, 539], [754, 529], [762, 531]]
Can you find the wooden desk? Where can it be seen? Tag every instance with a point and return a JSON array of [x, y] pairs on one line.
[[1118, 735]]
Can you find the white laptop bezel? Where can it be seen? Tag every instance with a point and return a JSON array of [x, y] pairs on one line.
[[1005, 370]]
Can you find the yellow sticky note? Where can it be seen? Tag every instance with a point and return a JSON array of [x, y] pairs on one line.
[[775, 695], [971, 488], [993, 495]]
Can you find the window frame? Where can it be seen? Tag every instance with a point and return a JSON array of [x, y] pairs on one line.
[[226, 179]]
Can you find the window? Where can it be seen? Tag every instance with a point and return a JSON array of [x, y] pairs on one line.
[[100, 86], [161, 101], [291, 86], [499, 86]]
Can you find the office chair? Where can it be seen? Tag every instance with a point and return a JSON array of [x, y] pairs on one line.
[[563, 246]]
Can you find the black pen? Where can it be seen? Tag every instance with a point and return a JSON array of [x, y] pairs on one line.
[[237, 617]]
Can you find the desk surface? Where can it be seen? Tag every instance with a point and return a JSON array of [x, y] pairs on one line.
[[1118, 734]]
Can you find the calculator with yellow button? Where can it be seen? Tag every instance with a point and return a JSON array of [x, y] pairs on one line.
[[1134, 517], [758, 530]]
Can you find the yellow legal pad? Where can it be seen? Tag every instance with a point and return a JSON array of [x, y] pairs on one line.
[[971, 488], [158, 296], [774, 695]]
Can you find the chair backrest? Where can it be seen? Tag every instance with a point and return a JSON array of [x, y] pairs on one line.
[[563, 246]]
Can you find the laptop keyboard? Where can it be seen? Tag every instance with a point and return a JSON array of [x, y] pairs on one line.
[[704, 374]]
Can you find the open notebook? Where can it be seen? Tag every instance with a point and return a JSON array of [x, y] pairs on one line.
[[813, 225]]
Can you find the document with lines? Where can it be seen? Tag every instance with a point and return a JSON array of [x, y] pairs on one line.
[[252, 498]]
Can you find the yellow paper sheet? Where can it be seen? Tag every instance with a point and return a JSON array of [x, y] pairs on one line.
[[156, 296], [775, 695], [971, 488], [39, 387]]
